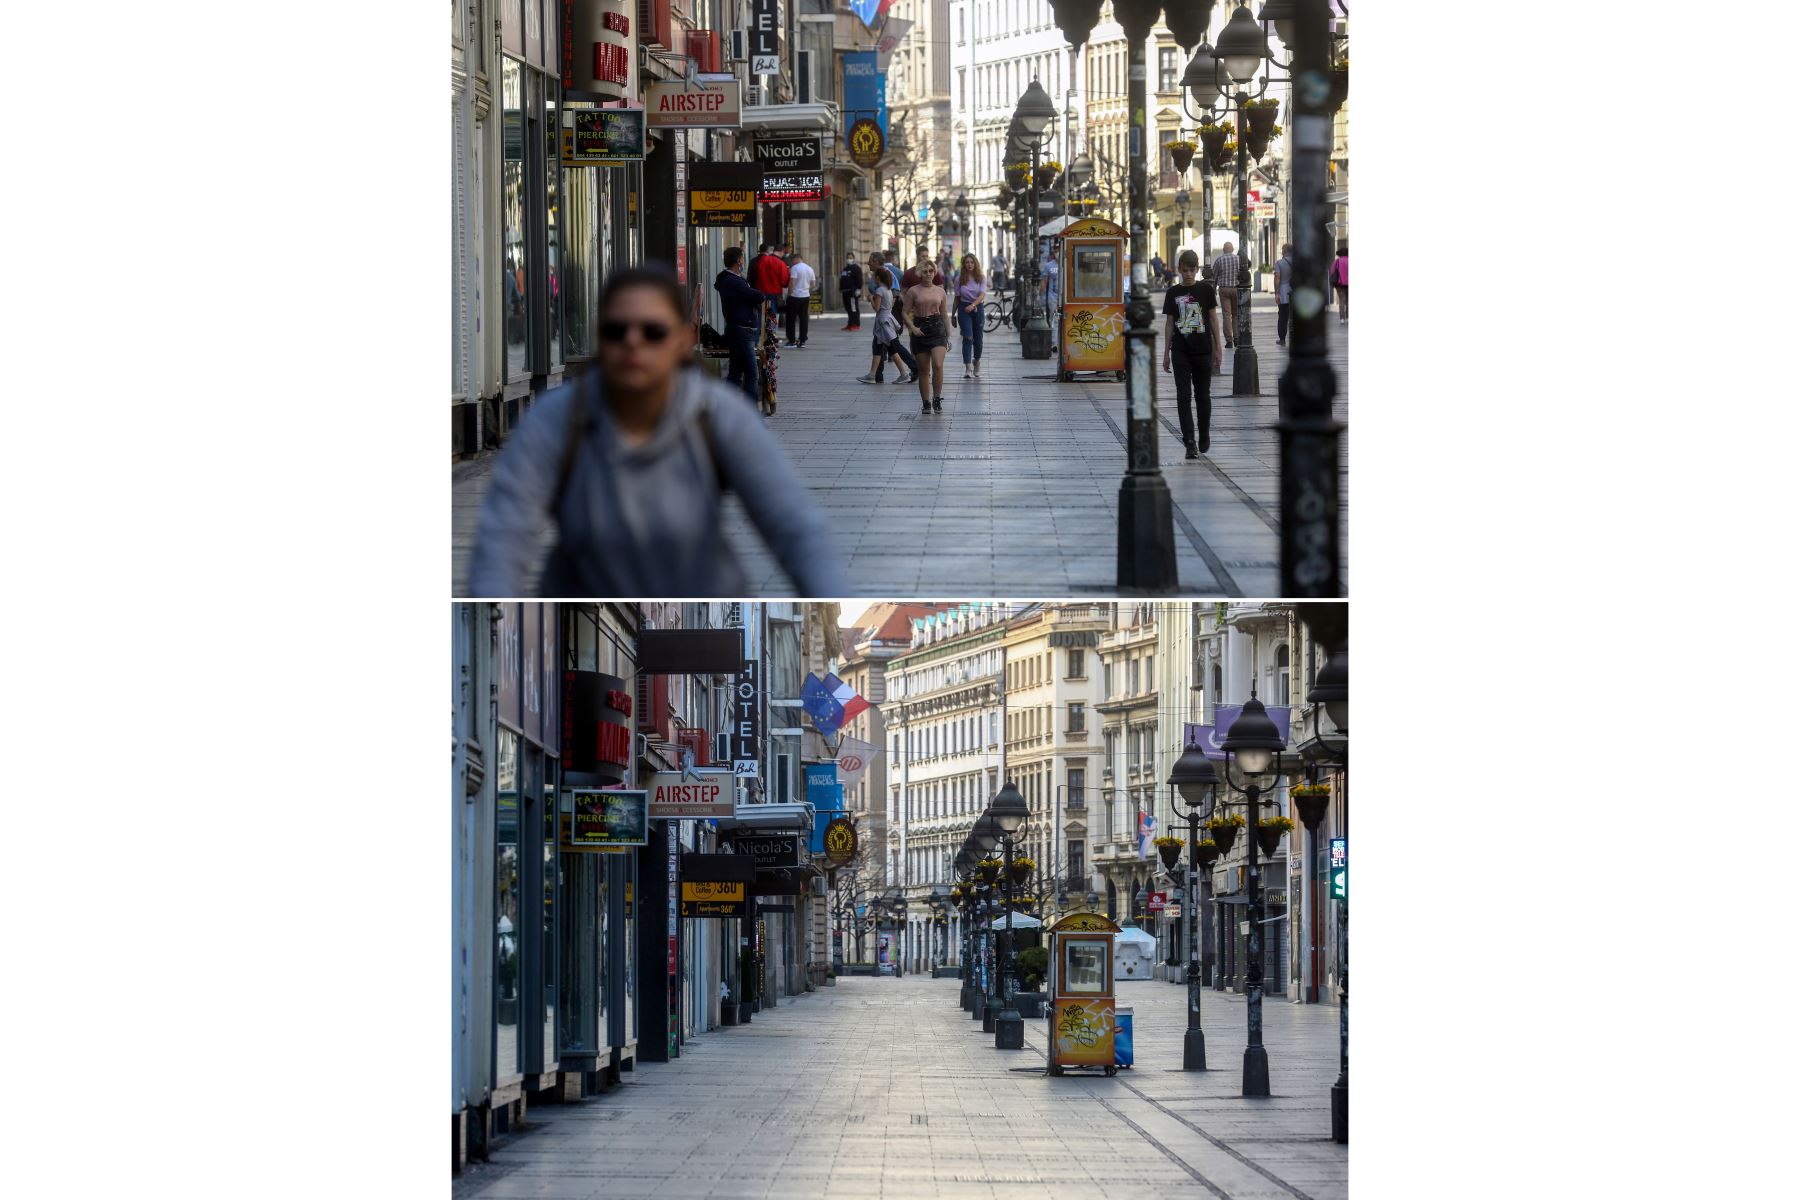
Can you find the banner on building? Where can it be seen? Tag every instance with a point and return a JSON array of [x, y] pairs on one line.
[[599, 50], [698, 795], [602, 137], [724, 194], [704, 101], [1211, 738], [892, 34], [865, 88], [854, 757], [603, 818]]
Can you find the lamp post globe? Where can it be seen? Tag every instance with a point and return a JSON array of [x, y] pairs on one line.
[[1201, 79], [986, 834], [1242, 46], [1194, 776], [1252, 743], [1332, 689], [1009, 809], [1036, 110], [1281, 15]]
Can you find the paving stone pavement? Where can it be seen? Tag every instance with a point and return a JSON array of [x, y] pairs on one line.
[[886, 1088], [1013, 490]]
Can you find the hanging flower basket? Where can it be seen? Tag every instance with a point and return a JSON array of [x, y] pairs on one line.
[[1270, 831], [1170, 850], [1022, 869], [989, 870], [1182, 155], [1213, 137], [1258, 144], [1018, 175], [1047, 174], [1311, 800], [1225, 830], [1208, 850], [1226, 157], [1259, 116]]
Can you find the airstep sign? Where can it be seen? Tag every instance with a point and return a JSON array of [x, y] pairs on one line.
[[706, 793], [704, 101]]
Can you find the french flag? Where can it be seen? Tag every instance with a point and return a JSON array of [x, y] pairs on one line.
[[845, 695]]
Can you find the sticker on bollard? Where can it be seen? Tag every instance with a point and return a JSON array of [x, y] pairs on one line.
[[1122, 1037]]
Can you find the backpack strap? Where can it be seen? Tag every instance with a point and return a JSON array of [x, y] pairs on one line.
[[704, 423], [575, 434]]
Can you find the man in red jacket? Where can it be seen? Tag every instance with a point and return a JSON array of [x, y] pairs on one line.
[[769, 275]]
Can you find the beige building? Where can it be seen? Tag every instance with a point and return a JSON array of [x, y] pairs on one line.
[[1130, 779], [882, 632], [1052, 734]]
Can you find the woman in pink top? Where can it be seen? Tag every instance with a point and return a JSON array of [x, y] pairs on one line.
[[971, 298], [1340, 280]]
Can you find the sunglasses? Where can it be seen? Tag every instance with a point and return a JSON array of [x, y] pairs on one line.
[[615, 331]]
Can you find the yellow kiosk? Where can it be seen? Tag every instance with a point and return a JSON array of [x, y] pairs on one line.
[[1093, 305], [1081, 993]]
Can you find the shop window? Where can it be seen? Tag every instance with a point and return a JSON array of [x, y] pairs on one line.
[[506, 908], [550, 914], [553, 224], [514, 284], [1281, 674]]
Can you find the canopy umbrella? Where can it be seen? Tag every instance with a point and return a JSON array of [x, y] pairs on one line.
[[1019, 921]]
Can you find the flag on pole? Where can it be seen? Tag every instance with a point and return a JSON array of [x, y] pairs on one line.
[[853, 759], [1146, 831], [830, 702]]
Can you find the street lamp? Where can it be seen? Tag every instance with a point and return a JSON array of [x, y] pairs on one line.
[[1146, 549], [1252, 747], [1331, 692], [1197, 784], [1011, 814], [985, 838], [1032, 118]]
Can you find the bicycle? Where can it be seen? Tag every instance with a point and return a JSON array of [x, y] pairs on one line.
[[1001, 309]]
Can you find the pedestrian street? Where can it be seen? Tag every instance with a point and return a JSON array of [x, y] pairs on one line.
[[883, 1087], [1014, 488]]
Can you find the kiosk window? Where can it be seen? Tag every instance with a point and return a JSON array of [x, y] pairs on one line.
[[1096, 275], [1084, 967]]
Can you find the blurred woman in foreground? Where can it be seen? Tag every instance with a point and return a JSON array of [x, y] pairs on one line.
[[630, 463]]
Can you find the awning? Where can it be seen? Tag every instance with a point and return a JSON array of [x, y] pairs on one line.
[[794, 816], [1019, 921], [1052, 228], [814, 117]]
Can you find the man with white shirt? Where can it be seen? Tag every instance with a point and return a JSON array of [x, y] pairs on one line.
[[801, 280]]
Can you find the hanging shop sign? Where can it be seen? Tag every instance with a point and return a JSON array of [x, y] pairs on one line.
[[690, 651], [599, 49], [746, 718], [792, 187], [1158, 901], [596, 725], [840, 841], [699, 794], [866, 142], [789, 154], [770, 850], [765, 37], [601, 819], [1340, 868], [704, 101], [865, 87], [602, 137], [724, 194], [704, 899]]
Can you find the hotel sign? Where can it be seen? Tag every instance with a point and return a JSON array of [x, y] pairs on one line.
[[712, 101]]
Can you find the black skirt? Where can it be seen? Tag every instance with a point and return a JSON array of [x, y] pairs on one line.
[[932, 333]]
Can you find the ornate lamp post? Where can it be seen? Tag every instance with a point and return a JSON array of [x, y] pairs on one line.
[[1032, 117], [986, 839], [1330, 694], [1253, 747], [1241, 50], [1146, 552], [1011, 814], [1197, 783]]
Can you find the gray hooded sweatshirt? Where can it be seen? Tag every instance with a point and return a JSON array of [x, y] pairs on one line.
[[645, 521]]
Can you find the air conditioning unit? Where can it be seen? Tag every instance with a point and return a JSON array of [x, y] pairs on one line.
[[740, 46], [753, 95], [818, 885]]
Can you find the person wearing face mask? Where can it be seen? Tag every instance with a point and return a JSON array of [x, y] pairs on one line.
[[630, 464]]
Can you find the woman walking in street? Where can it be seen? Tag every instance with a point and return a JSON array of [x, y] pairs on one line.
[[887, 332], [926, 306], [630, 463], [971, 302], [1340, 282]]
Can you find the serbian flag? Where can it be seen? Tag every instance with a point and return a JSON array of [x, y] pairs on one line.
[[1146, 831]]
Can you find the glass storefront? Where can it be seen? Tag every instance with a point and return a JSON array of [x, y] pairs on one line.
[[514, 282], [582, 955], [506, 906], [553, 224], [548, 848]]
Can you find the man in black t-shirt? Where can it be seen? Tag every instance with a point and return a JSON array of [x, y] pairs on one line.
[[1191, 350]]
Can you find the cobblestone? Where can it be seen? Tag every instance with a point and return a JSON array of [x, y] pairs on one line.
[[886, 1088]]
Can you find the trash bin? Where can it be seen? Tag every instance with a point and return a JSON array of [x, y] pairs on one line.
[[1122, 1037]]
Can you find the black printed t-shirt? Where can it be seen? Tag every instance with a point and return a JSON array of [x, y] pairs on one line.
[[1189, 304]]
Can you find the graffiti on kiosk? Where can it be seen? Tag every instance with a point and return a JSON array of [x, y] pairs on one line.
[[1081, 1026]]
